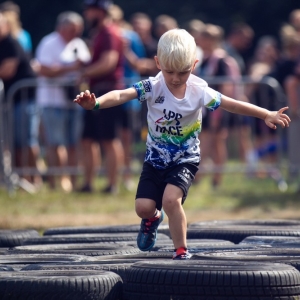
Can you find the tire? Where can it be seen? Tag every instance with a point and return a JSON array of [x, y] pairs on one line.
[[102, 229], [152, 255], [158, 244], [198, 248], [41, 258], [85, 238], [49, 285], [273, 241], [119, 267], [89, 250], [4, 268], [273, 222], [193, 243], [11, 238], [92, 229], [274, 255], [236, 235], [162, 280]]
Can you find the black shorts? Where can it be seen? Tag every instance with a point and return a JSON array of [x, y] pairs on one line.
[[101, 124], [153, 181]]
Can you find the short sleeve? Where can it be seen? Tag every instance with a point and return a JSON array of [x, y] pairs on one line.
[[143, 89], [44, 53], [211, 99]]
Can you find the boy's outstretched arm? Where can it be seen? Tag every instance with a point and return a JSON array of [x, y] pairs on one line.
[[88, 100], [243, 108]]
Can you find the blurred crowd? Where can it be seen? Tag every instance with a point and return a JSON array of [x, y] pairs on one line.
[[101, 51]]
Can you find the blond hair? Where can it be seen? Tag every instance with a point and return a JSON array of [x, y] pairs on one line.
[[177, 50]]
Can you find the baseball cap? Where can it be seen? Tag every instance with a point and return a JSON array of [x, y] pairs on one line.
[[103, 4]]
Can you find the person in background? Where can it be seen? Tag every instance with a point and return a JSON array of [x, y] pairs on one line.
[[294, 20], [15, 66], [142, 25], [12, 13], [292, 88], [105, 72], [164, 23], [263, 63], [60, 55], [289, 54], [130, 121], [216, 63], [194, 28], [238, 40]]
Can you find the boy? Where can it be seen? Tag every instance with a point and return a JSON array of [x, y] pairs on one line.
[[174, 98]]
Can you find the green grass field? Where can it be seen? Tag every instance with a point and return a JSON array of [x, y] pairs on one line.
[[237, 198]]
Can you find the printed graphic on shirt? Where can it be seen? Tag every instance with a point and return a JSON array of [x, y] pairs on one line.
[[214, 103], [171, 142], [174, 126], [160, 99], [142, 88]]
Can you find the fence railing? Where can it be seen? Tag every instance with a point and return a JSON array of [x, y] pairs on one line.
[[266, 93]]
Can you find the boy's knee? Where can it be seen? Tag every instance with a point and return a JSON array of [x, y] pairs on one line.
[[145, 209], [170, 203]]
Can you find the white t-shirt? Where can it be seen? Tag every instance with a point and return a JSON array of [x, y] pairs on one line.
[[51, 51], [174, 124]]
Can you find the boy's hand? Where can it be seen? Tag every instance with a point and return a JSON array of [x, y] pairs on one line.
[[86, 100], [277, 117]]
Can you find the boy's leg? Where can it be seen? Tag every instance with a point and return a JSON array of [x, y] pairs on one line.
[[151, 218], [179, 180], [171, 202]]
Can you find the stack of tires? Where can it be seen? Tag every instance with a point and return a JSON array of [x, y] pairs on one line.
[[246, 259]]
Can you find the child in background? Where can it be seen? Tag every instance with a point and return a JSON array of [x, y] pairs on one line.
[[175, 98]]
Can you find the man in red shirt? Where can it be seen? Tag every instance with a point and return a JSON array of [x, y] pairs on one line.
[[104, 73]]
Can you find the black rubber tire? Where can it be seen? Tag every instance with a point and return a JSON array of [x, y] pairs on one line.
[[90, 250], [274, 255], [49, 285], [86, 238], [236, 235], [163, 228], [140, 256], [273, 241], [192, 244], [11, 238], [119, 267], [258, 222], [42, 258], [4, 268], [198, 248], [164, 280], [92, 229], [45, 247]]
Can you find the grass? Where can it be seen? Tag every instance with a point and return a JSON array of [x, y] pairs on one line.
[[238, 197]]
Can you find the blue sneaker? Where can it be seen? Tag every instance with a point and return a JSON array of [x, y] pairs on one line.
[[181, 254], [147, 235]]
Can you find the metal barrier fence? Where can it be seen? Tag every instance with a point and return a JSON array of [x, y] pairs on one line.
[[266, 93]]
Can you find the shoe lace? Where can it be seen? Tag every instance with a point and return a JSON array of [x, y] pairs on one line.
[[147, 226]]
